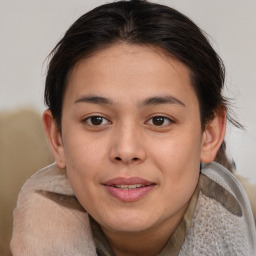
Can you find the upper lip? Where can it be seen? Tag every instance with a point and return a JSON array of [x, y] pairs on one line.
[[128, 181]]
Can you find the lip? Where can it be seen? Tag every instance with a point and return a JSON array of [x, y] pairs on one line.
[[128, 195]]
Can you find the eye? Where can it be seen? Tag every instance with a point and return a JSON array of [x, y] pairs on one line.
[[96, 120], [159, 121]]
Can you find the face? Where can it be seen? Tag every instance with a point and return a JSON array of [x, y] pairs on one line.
[[131, 137]]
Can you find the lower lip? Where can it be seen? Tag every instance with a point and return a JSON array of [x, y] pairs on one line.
[[129, 195]]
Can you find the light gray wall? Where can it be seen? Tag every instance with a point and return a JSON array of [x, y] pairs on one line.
[[30, 28]]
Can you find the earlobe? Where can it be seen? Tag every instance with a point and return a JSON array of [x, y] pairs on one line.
[[213, 136], [54, 137]]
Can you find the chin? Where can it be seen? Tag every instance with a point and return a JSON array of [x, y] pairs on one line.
[[129, 222], [129, 227]]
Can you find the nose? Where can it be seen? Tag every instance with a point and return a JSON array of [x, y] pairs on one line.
[[127, 146]]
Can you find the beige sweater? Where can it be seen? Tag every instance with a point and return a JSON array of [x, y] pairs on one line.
[[49, 220]]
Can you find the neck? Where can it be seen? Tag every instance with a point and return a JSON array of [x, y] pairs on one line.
[[137, 245], [148, 242]]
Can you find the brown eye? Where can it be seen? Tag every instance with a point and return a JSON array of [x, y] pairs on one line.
[[159, 121], [96, 120]]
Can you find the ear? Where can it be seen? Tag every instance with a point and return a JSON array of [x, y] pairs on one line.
[[213, 136], [54, 137]]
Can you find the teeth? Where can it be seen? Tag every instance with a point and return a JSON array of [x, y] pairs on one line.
[[129, 187]]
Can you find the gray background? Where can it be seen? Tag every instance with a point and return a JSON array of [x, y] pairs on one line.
[[29, 29]]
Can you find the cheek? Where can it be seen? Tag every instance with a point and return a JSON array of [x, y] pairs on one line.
[[83, 151], [180, 149], [83, 165], [178, 159]]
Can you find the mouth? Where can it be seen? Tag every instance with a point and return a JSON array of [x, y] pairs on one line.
[[129, 189]]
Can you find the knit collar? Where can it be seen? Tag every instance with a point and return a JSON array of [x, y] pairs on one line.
[[172, 247]]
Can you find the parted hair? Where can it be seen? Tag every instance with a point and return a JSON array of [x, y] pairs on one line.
[[141, 23]]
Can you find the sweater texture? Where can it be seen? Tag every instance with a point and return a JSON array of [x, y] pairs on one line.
[[49, 220]]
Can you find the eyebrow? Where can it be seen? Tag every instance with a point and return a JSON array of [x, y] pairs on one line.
[[157, 100], [94, 100], [162, 100]]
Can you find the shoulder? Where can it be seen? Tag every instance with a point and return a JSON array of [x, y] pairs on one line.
[[222, 220], [50, 178], [230, 186], [48, 219]]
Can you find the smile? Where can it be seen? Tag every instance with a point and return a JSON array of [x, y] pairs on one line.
[[128, 189]]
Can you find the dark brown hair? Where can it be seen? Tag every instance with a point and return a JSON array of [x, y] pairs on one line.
[[143, 23]]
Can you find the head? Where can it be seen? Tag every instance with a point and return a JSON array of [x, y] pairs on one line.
[[138, 23], [134, 96]]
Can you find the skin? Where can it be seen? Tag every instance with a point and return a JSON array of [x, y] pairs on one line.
[[127, 87]]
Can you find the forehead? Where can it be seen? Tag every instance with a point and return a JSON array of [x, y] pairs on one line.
[[132, 69]]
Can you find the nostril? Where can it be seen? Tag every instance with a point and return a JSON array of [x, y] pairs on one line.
[[133, 159]]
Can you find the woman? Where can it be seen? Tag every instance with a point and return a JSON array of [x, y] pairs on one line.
[[134, 111]]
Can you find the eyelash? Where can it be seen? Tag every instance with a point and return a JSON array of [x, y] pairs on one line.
[[161, 118], [104, 121], [88, 120]]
